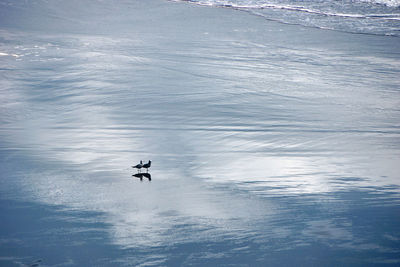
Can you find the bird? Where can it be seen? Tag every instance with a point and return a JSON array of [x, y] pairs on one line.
[[138, 166], [147, 165]]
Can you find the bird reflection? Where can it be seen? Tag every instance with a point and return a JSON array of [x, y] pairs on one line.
[[35, 263], [147, 175], [141, 175]]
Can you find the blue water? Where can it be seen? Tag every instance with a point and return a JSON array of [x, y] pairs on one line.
[[272, 144]]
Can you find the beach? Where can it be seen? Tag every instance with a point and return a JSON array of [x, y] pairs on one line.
[[271, 144]]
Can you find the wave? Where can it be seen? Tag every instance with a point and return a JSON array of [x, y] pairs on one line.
[[262, 4], [317, 12], [253, 5], [377, 17]]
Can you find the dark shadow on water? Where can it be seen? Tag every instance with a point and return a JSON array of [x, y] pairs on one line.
[[35, 234], [141, 175], [57, 236]]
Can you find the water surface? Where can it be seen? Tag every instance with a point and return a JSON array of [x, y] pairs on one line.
[[271, 144]]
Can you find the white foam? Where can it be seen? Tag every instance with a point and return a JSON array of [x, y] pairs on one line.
[[289, 7], [261, 3], [390, 3]]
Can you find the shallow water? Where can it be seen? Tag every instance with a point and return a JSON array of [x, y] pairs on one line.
[[271, 144]]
